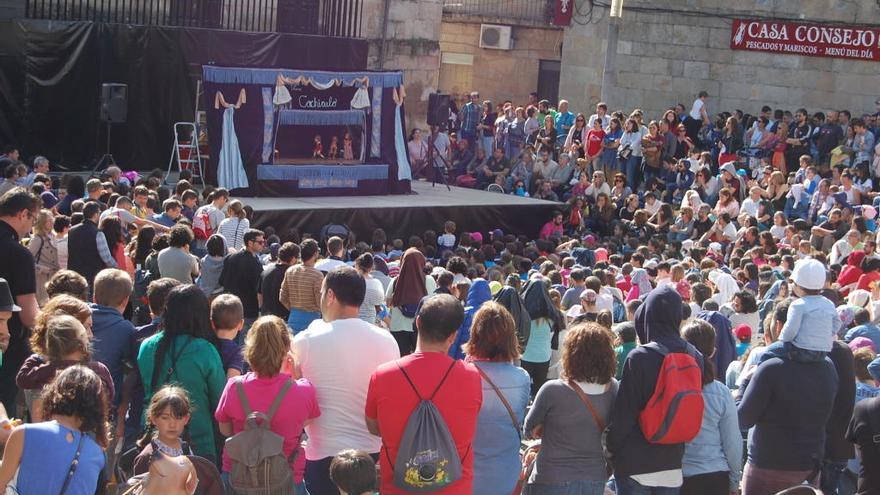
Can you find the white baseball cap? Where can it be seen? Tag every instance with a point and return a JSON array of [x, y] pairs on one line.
[[809, 274]]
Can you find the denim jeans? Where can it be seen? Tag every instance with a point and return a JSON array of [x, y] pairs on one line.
[[629, 486], [583, 487], [631, 169], [488, 145], [299, 320]]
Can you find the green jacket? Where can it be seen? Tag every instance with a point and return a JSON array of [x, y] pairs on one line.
[[198, 370], [622, 351]]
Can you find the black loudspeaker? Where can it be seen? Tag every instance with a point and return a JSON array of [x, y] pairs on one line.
[[114, 102], [438, 109]]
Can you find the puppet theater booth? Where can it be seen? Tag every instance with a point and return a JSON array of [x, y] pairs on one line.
[[294, 133]]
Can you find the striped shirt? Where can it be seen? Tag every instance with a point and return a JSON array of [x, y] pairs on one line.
[[301, 288], [233, 229], [470, 117]]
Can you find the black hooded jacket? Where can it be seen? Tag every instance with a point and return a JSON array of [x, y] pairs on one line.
[[658, 319]]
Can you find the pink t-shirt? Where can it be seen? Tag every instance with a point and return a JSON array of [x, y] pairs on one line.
[[300, 404]]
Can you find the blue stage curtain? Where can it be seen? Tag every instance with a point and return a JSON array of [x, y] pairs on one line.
[[237, 75], [323, 117], [322, 172], [268, 117]]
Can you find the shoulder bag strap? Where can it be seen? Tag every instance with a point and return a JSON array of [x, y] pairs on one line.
[[174, 358], [73, 465], [583, 397], [242, 397], [40, 250], [278, 398], [513, 418]]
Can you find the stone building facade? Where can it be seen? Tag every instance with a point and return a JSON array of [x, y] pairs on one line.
[[497, 74], [666, 54], [411, 44]]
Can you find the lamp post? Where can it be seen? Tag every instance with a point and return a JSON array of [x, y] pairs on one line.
[[609, 71]]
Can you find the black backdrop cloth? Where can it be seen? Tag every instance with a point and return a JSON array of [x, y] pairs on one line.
[[51, 75]]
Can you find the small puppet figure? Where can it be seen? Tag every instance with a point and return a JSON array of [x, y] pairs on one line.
[[334, 147], [347, 152], [318, 150]]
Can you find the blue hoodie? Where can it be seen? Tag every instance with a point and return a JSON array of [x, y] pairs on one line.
[[725, 345], [112, 343], [478, 294]]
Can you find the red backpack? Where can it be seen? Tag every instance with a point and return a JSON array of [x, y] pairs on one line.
[[674, 414], [202, 224]]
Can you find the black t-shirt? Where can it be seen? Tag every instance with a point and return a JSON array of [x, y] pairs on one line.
[[241, 277], [829, 136], [17, 267], [803, 133], [270, 287], [863, 428], [702, 226], [840, 228]]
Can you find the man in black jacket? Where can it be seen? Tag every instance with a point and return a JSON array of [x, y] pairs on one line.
[[837, 448], [241, 276], [641, 467]]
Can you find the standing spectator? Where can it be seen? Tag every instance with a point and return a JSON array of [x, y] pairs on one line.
[[39, 455], [493, 349], [175, 261], [698, 117], [712, 463], [90, 245], [241, 275], [838, 450], [112, 333], [114, 237], [781, 452], [212, 266], [403, 296], [60, 227], [234, 226], [375, 294], [267, 351], [470, 118], [213, 212], [862, 431], [569, 416], [547, 322], [45, 252], [185, 352], [641, 467], [273, 277], [301, 289], [397, 387], [18, 208], [341, 337]]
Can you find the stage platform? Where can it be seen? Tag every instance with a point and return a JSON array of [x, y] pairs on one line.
[[427, 208], [319, 179]]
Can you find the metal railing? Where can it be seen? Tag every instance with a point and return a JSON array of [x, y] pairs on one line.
[[328, 17], [530, 11]]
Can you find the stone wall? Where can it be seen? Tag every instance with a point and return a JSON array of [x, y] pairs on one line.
[[411, 45], [499, 74], [666, 58]]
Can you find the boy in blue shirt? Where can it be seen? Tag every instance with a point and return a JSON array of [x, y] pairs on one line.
[[809, 330], [227, 318]]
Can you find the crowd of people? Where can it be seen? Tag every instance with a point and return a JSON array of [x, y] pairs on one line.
[[152, 337]]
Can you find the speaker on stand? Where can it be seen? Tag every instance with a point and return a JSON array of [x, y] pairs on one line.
[[438, 115], [114, 110], [438, 109]]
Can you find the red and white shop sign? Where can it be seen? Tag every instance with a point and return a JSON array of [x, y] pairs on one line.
[[814, 40]]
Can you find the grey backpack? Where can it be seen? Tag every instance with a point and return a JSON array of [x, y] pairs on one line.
[[427, 460], [259, 465]]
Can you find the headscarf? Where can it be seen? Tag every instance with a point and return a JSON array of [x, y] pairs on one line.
[[510, 299], [725, 346], [859, 297], [478, 294], [852, 271], [409, 286], [726, 286], [536, 297], [846, 313]]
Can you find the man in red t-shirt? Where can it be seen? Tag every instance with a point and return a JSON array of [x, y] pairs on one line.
[[391, 400], [594, 143]]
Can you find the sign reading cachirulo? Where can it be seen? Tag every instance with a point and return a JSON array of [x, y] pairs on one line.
[[815, 40]]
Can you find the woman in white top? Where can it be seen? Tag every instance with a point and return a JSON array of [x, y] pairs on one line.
[[631, 140], [234, 226], [375, 294]]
